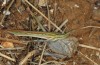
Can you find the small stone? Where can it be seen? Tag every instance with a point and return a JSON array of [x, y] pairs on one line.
[[7, 44], [6, 12]]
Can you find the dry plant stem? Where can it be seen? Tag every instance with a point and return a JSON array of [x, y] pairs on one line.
[[55, 12], [11, 40], [55, 62], [42, 54], [7, 57], [62, 25], [49, 25], [5, 49], [11, 54], [91, 33], [40, 25], [90, 47], [30, 54], [43, 15], [91, 27], [88, 58], [74, 30], [6, 12]]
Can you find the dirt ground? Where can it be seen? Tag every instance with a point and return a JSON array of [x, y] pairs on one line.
[[83, 16]]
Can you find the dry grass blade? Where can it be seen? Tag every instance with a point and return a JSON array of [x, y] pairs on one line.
[[42, 54], [6, 11], [27, 56], [88, 58], [37, 20], [90, 47], [7, 57], [90, 27], [91, 33], [43, 15], [48, 10], [62, 25], [6, 49], [55, 62]]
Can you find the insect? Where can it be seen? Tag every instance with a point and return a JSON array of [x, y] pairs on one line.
[[58, 43], [43, 35]]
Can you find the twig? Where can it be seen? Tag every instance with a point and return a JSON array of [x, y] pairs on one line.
[[7, 57], [90, 47], [27, 56], [6, 12], [11, 40], [42, 54], [88, 58], [43, 15]]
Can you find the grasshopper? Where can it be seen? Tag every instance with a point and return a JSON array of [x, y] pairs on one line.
[[43, 35]]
